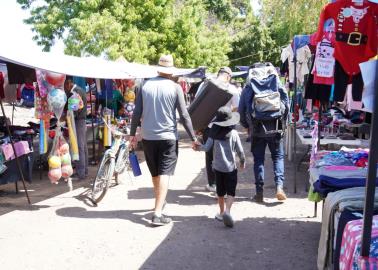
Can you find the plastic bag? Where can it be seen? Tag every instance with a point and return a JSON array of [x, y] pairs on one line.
[[59, 159]]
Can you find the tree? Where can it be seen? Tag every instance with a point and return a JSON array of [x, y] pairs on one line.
[[253, 44], [287, 18], [139, 30], [263, 35]]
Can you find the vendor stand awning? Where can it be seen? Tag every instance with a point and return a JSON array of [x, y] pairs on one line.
[[87, 67]]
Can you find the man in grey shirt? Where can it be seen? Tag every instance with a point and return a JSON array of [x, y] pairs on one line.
[[155, 109]]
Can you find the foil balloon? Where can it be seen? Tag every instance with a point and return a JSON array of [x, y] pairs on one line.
[[57, 100], [130, 107], [43, 85], [55, 79], [130, 96]]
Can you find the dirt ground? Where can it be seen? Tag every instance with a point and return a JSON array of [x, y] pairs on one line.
[[63, 230]]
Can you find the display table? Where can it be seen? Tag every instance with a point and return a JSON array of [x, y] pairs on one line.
[[12, 175], [310, 141]]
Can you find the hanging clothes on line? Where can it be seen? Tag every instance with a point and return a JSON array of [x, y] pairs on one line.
[[349, 27], [303, 57]]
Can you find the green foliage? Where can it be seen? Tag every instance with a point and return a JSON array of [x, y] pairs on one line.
[[253, 44], [278, 22], [139, 30], [287, 18], [196, 32]]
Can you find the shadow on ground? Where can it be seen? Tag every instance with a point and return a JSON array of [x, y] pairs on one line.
[[267, 243]]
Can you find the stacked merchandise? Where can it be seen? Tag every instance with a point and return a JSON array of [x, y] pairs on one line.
[[340, 207], [337, 170], [346, 39]]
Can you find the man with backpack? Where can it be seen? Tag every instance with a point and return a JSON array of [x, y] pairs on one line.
[[263, 108]]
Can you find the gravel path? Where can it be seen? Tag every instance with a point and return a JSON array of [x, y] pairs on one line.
[[62, 230]]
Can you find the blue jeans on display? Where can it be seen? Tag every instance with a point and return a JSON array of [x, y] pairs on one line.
[[258, 146]]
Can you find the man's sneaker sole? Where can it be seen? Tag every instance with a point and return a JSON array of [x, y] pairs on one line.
[[157, 222], [228, 221]]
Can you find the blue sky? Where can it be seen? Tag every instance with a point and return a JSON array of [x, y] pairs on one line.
[[19, 35]]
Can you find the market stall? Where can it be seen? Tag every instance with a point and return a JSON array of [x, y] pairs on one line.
[[341, 74]]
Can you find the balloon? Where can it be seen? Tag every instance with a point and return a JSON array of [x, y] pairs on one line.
[[130, 83], [55, 79], [64, 149], [130, 96], [57, 99], [75, 102], [130, 107], [54, 162], [67, 171], [66, 159], [54, 175]]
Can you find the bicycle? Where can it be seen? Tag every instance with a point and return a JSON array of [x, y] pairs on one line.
[[114, 162]]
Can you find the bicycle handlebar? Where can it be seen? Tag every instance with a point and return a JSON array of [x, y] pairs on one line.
[[114, 130]]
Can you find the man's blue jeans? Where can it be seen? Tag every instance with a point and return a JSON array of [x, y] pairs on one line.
[[258, 146]]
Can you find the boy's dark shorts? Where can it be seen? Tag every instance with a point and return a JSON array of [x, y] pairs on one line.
[[161, 156], [226, 182]]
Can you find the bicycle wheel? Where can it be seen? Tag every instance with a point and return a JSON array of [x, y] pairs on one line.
[[103, 178], [122, 159]]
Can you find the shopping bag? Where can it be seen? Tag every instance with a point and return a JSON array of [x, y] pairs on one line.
[[134, 164]]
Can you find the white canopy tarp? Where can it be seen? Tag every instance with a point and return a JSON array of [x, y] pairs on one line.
[[87, 67]]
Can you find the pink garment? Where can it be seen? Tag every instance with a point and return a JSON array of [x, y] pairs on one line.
[[7, 151], [309, 105], [368, 263], [341, 168], [351, 242], [22, 148], [350, 103]]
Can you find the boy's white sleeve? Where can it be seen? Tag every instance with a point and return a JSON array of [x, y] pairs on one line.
[[207, 146], [239, 149]]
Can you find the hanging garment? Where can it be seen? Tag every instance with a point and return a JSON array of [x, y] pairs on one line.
[[324, 66], [349, 104], [303, 57], [356, 32], [368, 71], [2, 95], [314, 91], [342, 79]]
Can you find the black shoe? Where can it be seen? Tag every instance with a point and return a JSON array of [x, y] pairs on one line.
[[160, 221], [259, 197]]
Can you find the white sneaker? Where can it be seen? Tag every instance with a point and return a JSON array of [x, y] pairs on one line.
[[228, 220], [212, 188], [219, 217]]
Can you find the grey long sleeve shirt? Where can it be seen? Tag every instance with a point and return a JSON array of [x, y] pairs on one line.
[[155, 109], [225, 152]]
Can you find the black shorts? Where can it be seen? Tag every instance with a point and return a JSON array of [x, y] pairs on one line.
[[161, 156], [226, 182]]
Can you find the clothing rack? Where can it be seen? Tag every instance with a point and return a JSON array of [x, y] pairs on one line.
[[372, 173]]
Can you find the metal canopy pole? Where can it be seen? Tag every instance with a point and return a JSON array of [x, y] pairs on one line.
[[294, 120], [372, 174], [15, 153], [94, 162]]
